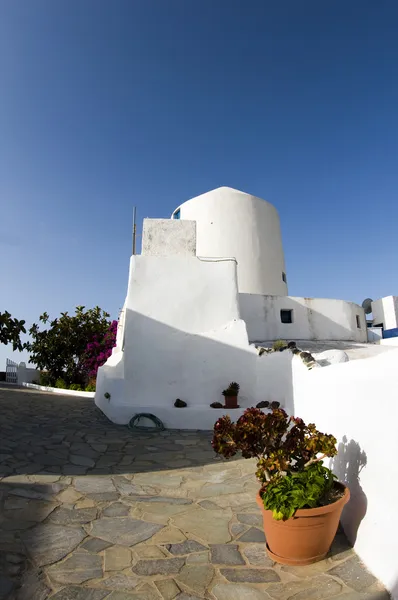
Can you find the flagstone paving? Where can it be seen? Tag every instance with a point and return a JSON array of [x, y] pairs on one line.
[[91, 511]]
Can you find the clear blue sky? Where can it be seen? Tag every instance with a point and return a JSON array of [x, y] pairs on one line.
[[107, 104]]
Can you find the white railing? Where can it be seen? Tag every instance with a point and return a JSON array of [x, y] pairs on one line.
[[11, 371]]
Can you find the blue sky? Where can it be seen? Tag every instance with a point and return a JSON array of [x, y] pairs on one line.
[[105, 105]]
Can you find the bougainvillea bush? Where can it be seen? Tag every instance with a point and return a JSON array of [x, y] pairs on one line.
[[99, 349], [58, 346], [289, 457]]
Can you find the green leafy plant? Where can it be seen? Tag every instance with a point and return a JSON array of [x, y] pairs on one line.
[[61, 383], [76, 387], [289, 457], [60, 346], [91, 385], [305, 489], [232, 389], [44, 379], [10, 330], [279, 345]]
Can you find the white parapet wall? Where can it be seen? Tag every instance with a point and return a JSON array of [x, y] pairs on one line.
[[385, 312], [61, 391], [357, 403], [311, 318]]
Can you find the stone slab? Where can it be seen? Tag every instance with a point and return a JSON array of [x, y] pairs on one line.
[[250, 575], [77, 568], [354, 574], [167, 566], [187, 547], [48, 543], [124, 531], [225, 554]]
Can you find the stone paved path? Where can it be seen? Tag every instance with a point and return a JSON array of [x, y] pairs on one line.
[[91, 510]]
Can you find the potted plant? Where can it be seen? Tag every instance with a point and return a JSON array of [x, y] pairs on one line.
[[231, 395], [300, 499]]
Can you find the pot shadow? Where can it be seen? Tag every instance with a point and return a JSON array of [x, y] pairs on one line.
[[347, 466]]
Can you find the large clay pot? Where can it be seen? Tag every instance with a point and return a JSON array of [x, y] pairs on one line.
[[231, 401], [306, 537]]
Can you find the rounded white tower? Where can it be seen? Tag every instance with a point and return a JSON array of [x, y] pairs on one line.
[[232, 223]]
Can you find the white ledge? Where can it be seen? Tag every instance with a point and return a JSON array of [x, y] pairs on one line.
[[43, 388]]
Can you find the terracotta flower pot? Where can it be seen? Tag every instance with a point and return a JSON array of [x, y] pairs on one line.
[[231, 401], [306, 537]]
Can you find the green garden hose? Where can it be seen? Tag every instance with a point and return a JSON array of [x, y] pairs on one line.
[[158, 423]]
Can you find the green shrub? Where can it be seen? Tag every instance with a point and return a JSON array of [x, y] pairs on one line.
[[76, 387], [60, 383], [279, 345], [45, 379], [90, 387]]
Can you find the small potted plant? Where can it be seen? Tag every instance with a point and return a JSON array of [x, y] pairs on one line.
[[300, 499], [231, 395]]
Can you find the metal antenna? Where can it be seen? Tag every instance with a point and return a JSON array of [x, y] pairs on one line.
[[134, 228]]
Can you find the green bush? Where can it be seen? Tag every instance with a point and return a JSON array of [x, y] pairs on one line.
[[45, 379], [76, 387], [279, 345], [60, 383], [90, 387]]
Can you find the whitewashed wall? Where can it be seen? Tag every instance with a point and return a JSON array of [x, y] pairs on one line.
[[313, 318], [232, 223], [385, 311], [183, 338], [357, 402]]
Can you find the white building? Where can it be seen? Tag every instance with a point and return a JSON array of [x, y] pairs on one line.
[[230, 223], [206, 286]]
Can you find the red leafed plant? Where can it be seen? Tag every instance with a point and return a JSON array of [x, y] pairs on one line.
[[289, 457]]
